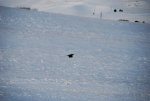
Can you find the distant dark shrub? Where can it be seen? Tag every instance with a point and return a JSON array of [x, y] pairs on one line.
[[136, 21], [93, 13], [123, 20], [28, 8]]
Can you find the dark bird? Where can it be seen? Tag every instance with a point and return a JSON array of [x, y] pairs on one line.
[[70, 55], [115, 10], [120, 10]]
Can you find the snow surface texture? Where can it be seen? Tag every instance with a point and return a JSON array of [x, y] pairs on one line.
[[111, 59], [132, 9]]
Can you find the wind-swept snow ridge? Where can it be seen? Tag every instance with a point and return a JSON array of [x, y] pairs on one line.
[[132, 9]]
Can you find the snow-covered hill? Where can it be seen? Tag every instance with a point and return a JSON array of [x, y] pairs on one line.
[[132, 9], [111, 59]]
